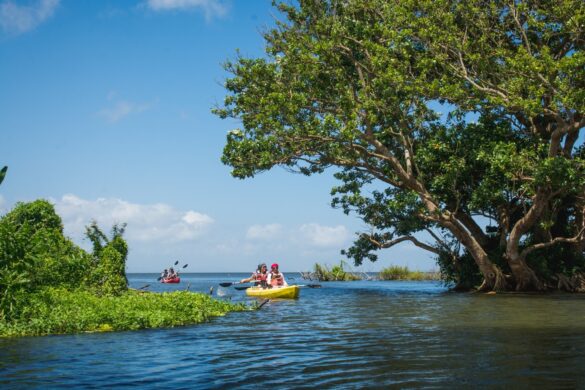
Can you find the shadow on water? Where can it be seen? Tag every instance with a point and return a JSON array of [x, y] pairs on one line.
[[350, 335]]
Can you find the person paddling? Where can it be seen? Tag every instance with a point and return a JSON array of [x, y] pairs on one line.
[[260, 276], [275, 277]]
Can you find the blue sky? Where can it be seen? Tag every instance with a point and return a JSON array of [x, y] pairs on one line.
[[105, 110]]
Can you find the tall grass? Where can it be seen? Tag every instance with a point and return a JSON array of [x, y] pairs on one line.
[[395, 272]]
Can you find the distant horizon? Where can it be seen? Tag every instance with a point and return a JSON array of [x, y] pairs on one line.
[[250, 272]]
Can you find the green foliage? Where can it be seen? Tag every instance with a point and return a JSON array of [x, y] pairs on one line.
[[352, 84], [336, 273], [35, 216], [108, 276], [461, 272], [58, 310], [34, 253], [3, 174], [99, 239], [49, 285]]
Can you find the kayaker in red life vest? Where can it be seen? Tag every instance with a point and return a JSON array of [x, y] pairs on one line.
[[275, 277], [260, 276]]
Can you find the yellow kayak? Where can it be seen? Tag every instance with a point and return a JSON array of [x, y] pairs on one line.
[[289, 292]]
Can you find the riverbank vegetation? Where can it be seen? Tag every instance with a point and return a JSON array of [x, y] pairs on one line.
[[49, 285], [324, 273], [335, 273], [395, 272], [59, 310], [456, 121]]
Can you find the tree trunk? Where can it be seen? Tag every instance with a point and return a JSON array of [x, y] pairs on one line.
[[524, 277], [493, 277]]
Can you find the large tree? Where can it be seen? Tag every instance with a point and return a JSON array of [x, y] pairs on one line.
[[352, 84]]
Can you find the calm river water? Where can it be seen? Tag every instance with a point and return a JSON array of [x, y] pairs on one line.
[[363, 334]]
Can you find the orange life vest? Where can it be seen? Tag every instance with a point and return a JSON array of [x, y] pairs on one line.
[[260, 278], [276, 279]]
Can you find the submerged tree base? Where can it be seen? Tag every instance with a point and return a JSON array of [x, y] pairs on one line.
[[558, 283], [59, 311]]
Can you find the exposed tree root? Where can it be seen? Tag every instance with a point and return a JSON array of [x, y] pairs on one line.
[[575, 283], [494, 281]]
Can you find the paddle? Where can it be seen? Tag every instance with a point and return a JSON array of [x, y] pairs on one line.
[[298, 285], [228, 284], [263, 303]]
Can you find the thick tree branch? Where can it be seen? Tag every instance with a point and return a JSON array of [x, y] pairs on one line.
[[578, 239], [389, 244]]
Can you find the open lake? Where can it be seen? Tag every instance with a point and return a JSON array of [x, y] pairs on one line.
[[362, 334]]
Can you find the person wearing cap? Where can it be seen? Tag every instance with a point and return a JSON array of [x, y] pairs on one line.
[[275, 277], [260, 276]]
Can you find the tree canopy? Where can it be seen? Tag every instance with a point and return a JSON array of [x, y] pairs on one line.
[[359, 85]]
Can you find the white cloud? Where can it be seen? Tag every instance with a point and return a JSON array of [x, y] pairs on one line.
[[195, 218], [324, 236], [211, 8], [155, 222], [18, 19], [263, 232], [122, 109]]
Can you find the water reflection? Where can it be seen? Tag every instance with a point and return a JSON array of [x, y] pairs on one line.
[[350, 335]]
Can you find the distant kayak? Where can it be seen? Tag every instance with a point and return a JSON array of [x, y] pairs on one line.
[[171, 280], [289, 292]]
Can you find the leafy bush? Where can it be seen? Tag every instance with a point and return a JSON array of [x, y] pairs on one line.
[[108, 277], [35, 254], [49, 285], [39, 214]]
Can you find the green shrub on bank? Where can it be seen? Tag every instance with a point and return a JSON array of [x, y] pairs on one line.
[[336, 273], [49, 285], [35, 254], [58, 311], [395, 272]]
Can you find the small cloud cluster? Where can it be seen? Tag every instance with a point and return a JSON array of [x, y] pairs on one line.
[[264, 232], [324, 236], [17, 19], [121, 109], [311, 234], [211, 8], [156, 222]]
